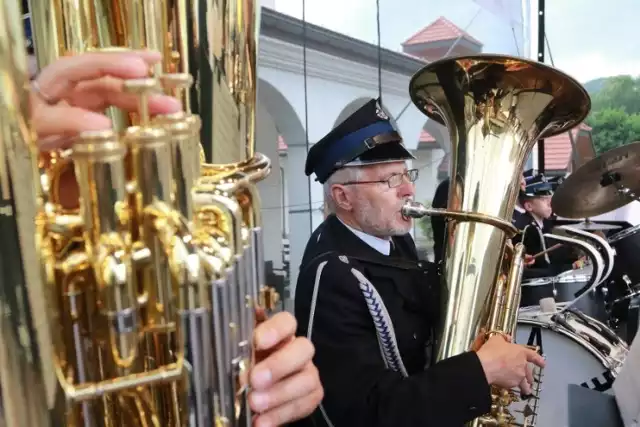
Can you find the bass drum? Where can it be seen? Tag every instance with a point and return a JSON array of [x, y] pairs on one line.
[[580, 351]]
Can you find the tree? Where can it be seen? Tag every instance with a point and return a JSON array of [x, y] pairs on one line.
[[621, 92], [613, 127], [615, 113]]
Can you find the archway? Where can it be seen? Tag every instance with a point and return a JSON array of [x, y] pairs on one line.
[[278, 129]]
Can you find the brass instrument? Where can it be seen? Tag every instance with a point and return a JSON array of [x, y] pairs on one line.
[[132, 304], [495, 109]]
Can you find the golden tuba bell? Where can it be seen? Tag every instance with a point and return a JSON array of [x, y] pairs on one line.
[[132, 303], [495, 109]]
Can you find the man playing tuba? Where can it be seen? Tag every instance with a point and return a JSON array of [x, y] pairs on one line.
[[370, 306]]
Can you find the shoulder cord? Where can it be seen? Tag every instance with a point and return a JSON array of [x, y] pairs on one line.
[[381, 320], [542, 240]]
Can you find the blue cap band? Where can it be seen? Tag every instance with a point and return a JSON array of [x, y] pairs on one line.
[[349, 147], [531, 189]]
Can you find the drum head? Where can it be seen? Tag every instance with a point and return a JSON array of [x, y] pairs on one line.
[[567, 362]]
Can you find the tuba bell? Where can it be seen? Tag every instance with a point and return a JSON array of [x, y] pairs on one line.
[[132, 302], [495, 109]]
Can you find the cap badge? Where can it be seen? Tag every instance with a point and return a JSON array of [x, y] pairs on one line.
[[380, 113]]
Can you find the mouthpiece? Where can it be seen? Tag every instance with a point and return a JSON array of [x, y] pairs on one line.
[[414, 210]]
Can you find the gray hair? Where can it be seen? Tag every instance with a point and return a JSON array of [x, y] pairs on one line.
[[346, 174]]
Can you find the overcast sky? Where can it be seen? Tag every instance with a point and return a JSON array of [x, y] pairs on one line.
[[588, 38]]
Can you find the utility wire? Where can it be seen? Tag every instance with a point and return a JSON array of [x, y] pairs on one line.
[[306, 107]]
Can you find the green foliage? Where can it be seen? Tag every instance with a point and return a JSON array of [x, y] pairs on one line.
[[615, 112], [594, 86]]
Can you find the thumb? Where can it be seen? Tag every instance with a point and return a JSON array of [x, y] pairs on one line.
[[261, 315]]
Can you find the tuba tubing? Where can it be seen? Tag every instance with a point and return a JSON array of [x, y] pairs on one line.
[[494, 108], [135, 305]]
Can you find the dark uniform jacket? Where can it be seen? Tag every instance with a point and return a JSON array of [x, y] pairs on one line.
[[438, 223], [549, 264], [365, 385]]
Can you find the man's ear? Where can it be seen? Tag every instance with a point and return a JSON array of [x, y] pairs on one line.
[[341, 197], [527, 205]]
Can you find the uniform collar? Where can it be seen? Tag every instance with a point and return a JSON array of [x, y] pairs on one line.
[[381, 245]]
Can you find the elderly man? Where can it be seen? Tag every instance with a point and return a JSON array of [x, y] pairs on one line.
[[370, 306]]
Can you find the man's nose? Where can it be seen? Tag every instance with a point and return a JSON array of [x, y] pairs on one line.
[[407, 189]]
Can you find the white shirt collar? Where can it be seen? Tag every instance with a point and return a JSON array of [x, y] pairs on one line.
[[381, 245], [538, 220], [520, 209]]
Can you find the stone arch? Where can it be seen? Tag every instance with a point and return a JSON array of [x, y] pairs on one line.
[[277, 125], [284, 116]]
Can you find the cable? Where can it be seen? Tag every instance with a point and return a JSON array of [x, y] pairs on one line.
[[379, 50], [306, 108]]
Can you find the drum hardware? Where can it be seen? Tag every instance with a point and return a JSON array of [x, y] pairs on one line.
[[624, 233], [601, 185], [632, 292], [566, 322], [561, 320], [601, 244], [571, 359], [588, 225], [564, 288], [624, 286], [602, 260], [606, 332]]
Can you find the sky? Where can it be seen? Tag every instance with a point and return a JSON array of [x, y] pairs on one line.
[[587, 38]]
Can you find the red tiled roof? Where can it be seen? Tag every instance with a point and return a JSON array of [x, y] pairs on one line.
[[557, 149], [439, 30], [426, 137]]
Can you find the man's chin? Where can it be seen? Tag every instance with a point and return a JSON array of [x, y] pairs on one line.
[[402, 228]]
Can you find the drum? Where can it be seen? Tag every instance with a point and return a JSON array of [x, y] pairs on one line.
[[624, 282], [563, 288], [583, 351]]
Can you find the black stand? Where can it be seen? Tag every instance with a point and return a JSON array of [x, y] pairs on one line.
[[541, 46], [591, 408]]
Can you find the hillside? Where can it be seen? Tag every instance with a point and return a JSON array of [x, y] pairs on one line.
[[594, 86]]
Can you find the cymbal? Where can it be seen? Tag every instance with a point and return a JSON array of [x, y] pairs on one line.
[[594, 226], [594, 188]]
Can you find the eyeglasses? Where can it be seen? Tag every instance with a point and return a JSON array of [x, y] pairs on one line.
[[393, 181]]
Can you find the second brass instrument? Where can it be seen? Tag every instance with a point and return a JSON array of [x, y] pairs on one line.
[[132, 303], [495, 109]]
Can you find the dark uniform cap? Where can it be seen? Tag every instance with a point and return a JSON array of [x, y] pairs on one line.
[[365, 137], [556, 182], [538, 185]]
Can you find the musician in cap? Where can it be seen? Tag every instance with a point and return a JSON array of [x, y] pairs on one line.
[[534, 222], [519, 210], [370, 306]]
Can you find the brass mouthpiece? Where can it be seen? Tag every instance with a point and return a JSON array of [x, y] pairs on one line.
[[413, 209]]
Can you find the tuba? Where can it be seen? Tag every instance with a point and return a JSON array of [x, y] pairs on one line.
[[132, 303], [495, 109]]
